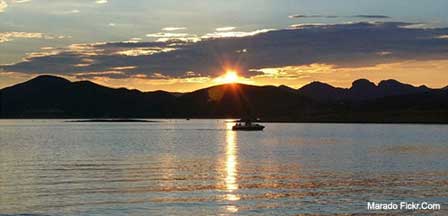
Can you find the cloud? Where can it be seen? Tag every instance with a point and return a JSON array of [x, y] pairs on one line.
[[373, 16], [134, 40], [187, 37], [363, 16], [234, 34], [9, 36], [228, 28], [74, 11], [67, 12], [300, 26], [416, 72], [297, 16], [167, 35], [340, 45], [144, 51], [101, 1], [21, 1], [173, 28], [3, 6]]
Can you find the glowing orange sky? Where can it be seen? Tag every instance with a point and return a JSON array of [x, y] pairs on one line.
[[118, 44], [430, 72]]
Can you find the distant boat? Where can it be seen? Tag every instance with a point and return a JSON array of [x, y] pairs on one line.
[[247, 126]]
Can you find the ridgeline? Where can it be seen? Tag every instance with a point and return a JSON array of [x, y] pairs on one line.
[[365, 102]]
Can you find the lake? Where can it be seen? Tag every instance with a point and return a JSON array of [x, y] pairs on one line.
[[201, 167]]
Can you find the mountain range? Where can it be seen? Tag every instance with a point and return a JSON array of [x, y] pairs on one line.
[[388, 102]]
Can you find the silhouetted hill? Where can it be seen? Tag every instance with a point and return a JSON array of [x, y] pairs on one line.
[[237, 100], [48, 96], [287, 88], [323, 92], [361, 90], [389, 101]]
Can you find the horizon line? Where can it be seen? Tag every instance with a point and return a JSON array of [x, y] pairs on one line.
[[221, 84]]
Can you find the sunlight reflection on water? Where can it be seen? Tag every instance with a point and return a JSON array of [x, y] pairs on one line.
[[201, 167], [231, 163]]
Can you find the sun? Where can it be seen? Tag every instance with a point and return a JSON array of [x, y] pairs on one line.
[[230, 77]]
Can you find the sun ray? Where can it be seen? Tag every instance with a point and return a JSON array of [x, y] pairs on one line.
[[230, 76]]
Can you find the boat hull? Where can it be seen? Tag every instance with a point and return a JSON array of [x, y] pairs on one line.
[[246, 128]]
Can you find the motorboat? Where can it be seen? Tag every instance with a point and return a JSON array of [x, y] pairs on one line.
[[247, 126]]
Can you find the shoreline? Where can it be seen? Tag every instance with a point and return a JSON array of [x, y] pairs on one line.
[[158, 120], [111, 121]]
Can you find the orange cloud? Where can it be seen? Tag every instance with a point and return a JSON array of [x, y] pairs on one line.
[[424, 72], [429, 72]]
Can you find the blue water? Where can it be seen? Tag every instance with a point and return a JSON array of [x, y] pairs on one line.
[[200, 167]]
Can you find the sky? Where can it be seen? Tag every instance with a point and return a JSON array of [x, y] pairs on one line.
[[181, 46]]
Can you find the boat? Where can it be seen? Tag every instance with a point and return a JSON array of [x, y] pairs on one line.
[[247, 126]]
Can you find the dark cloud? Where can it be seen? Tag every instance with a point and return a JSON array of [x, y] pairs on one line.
[[373, 16], [298, 16], [301, 16], [356, 44]]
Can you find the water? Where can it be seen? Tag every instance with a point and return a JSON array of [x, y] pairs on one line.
[[200, 167]]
